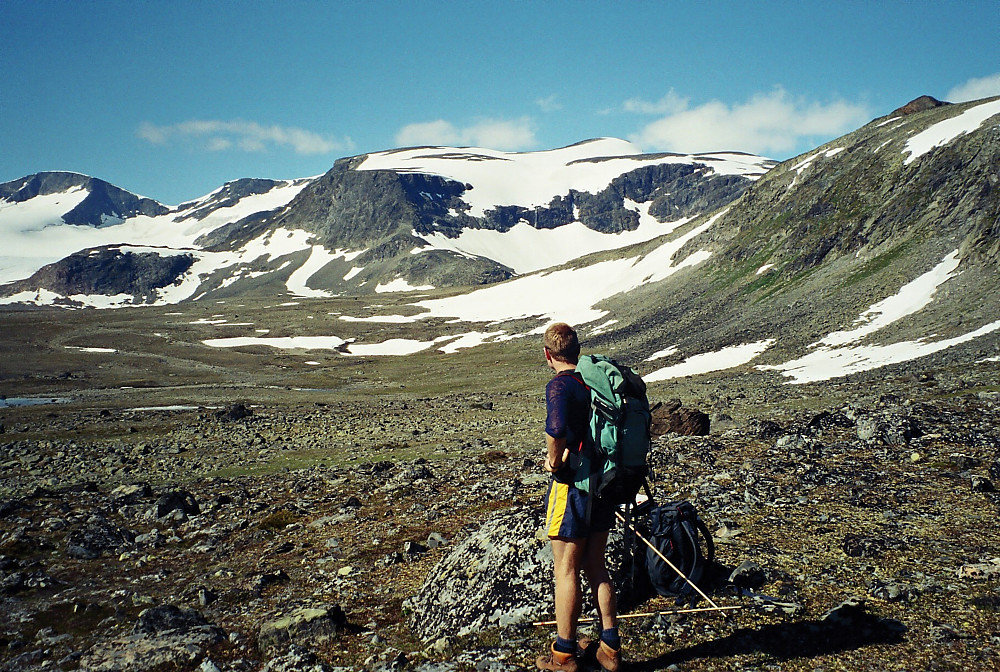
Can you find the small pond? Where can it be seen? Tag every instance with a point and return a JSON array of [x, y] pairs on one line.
[[11, 402]]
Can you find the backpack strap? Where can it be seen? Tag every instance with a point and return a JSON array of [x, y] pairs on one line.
[[594, 478], [709, 542], [630, 551], [688, 534]]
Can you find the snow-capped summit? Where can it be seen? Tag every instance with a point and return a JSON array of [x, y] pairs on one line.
[[70, 198], [387, 221], [533, 179]]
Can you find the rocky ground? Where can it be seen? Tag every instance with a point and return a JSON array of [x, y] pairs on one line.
[[189, 508], [860, 535]]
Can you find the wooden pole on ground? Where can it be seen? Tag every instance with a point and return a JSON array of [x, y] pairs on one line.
[[653, 613], [664, 558]]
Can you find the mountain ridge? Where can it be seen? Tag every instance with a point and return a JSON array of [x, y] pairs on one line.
[[407, 226]]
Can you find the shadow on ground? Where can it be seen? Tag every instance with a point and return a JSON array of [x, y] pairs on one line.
[[832, 634]]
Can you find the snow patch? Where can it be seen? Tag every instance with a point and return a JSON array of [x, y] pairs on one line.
[[280, 342], [39, 212], [579, 289], [471, 340], [839, 353], [601, 328], [911, 298], [808, 161], [297, 282], [525, 249], [726, 358], [384, 319], [945, 131], [828, 363], [660, 354], [400, 285], [35, 228]]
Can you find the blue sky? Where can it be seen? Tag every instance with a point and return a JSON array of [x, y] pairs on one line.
[[171, 99]]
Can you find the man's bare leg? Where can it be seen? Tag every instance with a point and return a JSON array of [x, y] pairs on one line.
[[596, 571], [568, 555]]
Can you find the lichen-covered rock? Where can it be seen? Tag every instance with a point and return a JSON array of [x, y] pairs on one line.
[[138, 653], [295, 659], [156, 620], [303, 626], [980, 570], [164, 637], [500, 575], [893, 427], [132, 493]]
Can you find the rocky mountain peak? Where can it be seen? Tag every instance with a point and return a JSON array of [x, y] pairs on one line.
[[104, 203], [919, 105]]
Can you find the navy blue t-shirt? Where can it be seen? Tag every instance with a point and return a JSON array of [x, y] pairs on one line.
[[567, 402]]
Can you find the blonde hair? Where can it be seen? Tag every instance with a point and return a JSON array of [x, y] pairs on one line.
[[562, 343]]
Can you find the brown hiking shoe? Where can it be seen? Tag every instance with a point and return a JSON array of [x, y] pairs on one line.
[[609, 659], [557, 660]]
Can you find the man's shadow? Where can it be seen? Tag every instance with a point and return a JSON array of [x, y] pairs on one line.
[[784, 641]]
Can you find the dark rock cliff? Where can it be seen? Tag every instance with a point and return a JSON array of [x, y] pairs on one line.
[[109, 271]]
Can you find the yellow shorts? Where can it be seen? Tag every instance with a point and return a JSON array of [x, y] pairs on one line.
[[566, 513]]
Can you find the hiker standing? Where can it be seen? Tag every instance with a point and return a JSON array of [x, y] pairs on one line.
[[578, 541]]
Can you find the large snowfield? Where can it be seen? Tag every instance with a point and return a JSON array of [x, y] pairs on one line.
[[36, 235], [531, 179]]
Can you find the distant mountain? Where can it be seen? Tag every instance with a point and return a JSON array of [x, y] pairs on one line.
[[402, 219], [58, 221], [87, 200], [880, 247]]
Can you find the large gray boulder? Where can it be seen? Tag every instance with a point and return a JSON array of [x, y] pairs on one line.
[[501, 575]]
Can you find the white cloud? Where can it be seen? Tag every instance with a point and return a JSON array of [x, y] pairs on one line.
[[668, 104], [549, 104], [499, 134], [438, 132], [248, 136], [769, 124], [976, 88], [217, 144]]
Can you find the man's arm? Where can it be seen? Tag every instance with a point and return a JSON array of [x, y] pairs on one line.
[[556, 453]]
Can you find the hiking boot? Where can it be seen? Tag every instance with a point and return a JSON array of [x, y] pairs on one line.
[[609, 659], [557, 660]]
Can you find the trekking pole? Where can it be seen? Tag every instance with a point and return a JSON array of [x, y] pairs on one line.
[[669, 564], [653, 613]]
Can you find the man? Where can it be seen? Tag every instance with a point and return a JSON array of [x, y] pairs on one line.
[[578, 543]]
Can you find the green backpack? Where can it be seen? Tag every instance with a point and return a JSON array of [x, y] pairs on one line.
[[613, 459]]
